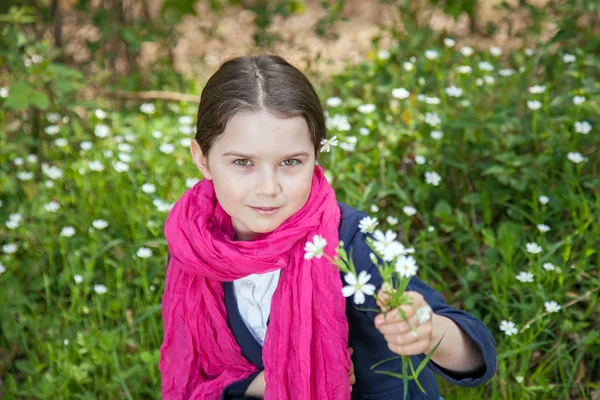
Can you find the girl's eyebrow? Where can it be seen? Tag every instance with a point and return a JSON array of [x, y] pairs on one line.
[[250, 156]]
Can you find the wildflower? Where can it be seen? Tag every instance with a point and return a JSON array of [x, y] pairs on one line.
[[454, 91], [508, 327], [99, 224], [495, 51], [144, 252], [575, 157], [190, 182], [125, 148], [525, 277], [52, 130], [25, 176], [101, 131], [431, 228], [537, 89], [374, 208], [577, 100], [432, 119], [568, 58], [543, 228], [436, 135], [78, 279], [485, 66], [100, 114], [420, 160], [100, 289], [551, 306], [529, 52], [548, 266], [152, 288], [148, 188], [2, 268], [315, 248], [4, 92], [10, 248], [347, 146], [60, 142], [358, 286], [423, 314], [406, 266], [408, 66], [85, 145], [464, 69], [366, 108], [124, 157], [410, 211], [157, 134], [161, 205], [186, 120], [32, 158], [334, 102], [364, 131], [506, 72], [120, 166], [391, 220], [466, 51], [534, 104], [95, 165], [186, 129], [339, 122], [583, 127], [18, 161], [53, 206], [533, 248], [432, 178], [432, 100], [167, 148], [448, 42], [148, 108], [383, 54], [367, 224], [327, 143], [431, 54], [400, 93], [543, 199], [67, 231]]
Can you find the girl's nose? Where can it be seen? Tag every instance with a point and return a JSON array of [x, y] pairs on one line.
[[267, 184]]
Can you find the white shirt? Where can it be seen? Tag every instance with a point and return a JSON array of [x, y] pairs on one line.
[[253, 295]]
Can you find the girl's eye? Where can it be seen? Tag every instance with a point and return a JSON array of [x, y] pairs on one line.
[[242, 162], [290, 162]]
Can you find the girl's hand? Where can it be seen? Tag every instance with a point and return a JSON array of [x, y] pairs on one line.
[[410, 337], [351, 373]]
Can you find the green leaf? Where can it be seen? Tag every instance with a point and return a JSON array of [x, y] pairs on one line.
[[40, 100]]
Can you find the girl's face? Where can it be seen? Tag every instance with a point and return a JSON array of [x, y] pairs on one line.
[[261, 168]]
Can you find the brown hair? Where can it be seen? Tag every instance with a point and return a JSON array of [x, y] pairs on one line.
[[253, 83]]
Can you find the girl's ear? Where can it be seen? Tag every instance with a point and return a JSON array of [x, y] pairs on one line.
[[199, 159]]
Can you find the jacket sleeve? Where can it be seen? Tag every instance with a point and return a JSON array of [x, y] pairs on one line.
[[237, 390], [473, 327]]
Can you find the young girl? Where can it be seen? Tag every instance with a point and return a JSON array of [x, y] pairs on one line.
[[247, 313]]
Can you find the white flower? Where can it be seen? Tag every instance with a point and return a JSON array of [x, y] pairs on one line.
[[432, 119], [148, 108], [431, 54], [367, 224], [95, 165], [575, 157], [161, 205], [78, 279], [358, 286], [315, 248], [130, 137], [9, 248], [18, 161], [374, 208], [99, 224], [543, 199], [454, 91], [485, 66], [100, 114], [449, 42], [430, 228], [568, 58], [388, 247], [508, 327], [406, 266], [49, 184], [4, 92], [464, 69], [543, 228], [533, 248], [525, 277], [529, 51], [25, 176], [432, 178], [366, 108], [577, 100], [436, 135], [125, 147], [466, 51], [537, 89], [101, 131], [391, 220], [408, 66], [548, 266], [120, 166], [186, 129], [339, 122], [495, 51], [189, 182], [53, 206], [2, 268], [32, 158], [420, 160], [186, 120], [432, 100], [52, 129], [157, 134], [152, 288], [148, 188], [12, 224], [400, 93], [85, 145], [67, 231], [126, 158], [489, 79], [60, 142], [383, 54], [410, 211], [423, 314], [583, 127], [334, 102], [534, 104], [167, 148], [327, 143], [144, 252], [100, 289], [551, 306], [506, 72]]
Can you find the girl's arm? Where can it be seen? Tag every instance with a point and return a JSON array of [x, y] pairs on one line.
[[257, 387]]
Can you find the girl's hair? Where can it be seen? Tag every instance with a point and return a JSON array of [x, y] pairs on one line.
[[254, 83]]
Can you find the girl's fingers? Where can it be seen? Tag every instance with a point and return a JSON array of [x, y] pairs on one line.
[[422, 332], [410, 349], [398, 327]]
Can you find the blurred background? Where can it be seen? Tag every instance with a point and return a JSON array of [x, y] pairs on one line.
[[469, 127]]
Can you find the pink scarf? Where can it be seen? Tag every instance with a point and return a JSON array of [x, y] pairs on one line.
[[305, 351]]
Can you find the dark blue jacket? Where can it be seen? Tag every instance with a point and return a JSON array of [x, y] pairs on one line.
[[368, 343]]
